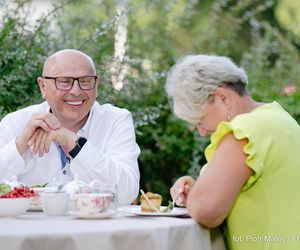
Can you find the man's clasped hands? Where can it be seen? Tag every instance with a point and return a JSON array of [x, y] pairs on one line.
[[41, 130]]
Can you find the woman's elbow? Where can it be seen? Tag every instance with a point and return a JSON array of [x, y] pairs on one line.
[[207, 216]]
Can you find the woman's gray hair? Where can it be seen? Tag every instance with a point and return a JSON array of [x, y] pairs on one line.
[[194, 78]]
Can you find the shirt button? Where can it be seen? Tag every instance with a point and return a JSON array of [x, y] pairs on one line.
[[65, 172]]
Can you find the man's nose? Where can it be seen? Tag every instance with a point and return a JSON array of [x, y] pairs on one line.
[[75, 90]]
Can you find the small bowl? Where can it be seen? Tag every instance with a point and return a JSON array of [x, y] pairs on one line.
[[93, 203], [13, 207], [55, 203]]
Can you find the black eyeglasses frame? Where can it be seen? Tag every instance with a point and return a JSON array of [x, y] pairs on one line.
[[73, 78]]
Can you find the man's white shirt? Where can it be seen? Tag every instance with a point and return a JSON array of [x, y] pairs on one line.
[[109, 155]]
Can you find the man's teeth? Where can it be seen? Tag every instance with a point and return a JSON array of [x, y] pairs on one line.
[[74, 103]]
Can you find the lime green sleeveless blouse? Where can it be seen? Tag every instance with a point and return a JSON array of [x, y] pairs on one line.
[[266, 214]]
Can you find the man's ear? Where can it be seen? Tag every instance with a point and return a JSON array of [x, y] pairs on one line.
[[97, 85], [42, 86]]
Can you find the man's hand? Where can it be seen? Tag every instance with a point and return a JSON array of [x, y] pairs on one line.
[[44, 121], [181, 189], [41, 140]]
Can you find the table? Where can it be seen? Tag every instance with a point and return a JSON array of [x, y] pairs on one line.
[[36, 231]]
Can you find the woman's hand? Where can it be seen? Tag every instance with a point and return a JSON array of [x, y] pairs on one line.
[[181, 188]]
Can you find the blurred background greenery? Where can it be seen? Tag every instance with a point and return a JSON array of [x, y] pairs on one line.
[[261, 36]]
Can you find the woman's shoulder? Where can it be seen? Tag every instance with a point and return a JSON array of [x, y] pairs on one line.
[[268, 117]]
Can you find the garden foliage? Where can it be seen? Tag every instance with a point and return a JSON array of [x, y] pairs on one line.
[[158, 33]]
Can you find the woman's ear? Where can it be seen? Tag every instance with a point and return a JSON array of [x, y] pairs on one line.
[[224, 97], [42, 86]]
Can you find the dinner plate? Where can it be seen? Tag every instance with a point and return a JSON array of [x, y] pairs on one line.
[[82, 215], [175, 212]]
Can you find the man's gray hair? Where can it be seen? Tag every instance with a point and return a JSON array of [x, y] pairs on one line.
[[194, 78]]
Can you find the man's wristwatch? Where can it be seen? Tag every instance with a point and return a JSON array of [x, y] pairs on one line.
[[79, 144]]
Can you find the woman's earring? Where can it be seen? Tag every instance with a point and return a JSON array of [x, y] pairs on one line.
[[228, 117]]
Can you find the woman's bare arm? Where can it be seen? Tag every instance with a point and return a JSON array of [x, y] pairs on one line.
[[212, 196]]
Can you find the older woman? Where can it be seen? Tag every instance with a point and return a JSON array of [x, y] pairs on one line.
[[252, 177]]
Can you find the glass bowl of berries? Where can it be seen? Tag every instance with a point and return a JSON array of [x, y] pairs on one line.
[[14, 201]]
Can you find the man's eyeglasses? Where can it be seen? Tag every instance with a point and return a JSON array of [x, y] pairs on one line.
[[66, 83]]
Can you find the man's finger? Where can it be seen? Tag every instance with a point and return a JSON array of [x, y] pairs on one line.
[[37, 141], [42, 143], [48, 141]]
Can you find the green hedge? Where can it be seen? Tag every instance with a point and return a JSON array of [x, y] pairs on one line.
[[158, 33]]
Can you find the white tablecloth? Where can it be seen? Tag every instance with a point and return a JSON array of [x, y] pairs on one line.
[[36, 231]]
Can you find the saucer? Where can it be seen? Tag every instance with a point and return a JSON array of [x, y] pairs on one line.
[[82, 215]]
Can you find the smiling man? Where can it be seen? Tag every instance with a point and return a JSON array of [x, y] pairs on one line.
[[70, 133]]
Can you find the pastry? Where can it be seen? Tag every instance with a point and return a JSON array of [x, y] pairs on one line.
[[155, 200]]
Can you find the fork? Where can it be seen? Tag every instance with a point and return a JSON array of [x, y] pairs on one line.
[[176, 197], [174, 201]]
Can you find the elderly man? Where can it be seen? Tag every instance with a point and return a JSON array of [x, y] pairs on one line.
[[70, 133]]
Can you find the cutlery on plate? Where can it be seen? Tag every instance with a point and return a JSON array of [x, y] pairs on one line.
[[180, 191], [174, 200], [172, 203]]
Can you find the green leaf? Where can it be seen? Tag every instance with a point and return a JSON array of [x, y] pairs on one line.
[[169, 207]]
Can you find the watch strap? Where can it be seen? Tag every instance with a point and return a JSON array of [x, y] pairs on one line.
[[79, 144]]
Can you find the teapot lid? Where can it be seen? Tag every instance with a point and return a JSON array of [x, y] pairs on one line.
[[76, 186]]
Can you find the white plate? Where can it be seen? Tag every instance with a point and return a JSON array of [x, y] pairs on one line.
[[82, 215], [175, 212]]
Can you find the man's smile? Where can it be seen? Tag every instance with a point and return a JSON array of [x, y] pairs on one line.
[[75, 103]]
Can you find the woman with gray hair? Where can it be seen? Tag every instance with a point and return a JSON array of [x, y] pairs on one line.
[[254, 147]]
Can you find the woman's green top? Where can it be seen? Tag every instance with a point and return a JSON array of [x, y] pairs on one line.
[[266, 214]]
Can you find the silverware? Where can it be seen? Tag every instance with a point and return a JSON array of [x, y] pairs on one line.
[[174, 200]]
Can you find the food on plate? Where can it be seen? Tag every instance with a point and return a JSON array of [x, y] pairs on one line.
[[41, 185], [14, 200], [169, 207], [4, 188], [17, 192], [155, 200]]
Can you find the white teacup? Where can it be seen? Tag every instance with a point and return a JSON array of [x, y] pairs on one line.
[[112, 189], [54, 203], [91, 203]]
